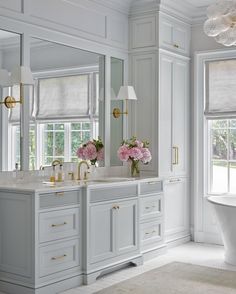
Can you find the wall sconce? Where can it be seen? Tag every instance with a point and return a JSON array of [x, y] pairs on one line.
[[21, 75], [126, 93]]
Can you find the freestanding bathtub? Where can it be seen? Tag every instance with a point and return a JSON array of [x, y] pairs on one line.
[[225, 208]]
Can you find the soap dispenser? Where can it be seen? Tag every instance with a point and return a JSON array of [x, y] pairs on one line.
[[61, 175]]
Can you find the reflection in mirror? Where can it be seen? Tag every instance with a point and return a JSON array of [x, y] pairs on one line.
[[9, 118], [67, 109], [117, 80]]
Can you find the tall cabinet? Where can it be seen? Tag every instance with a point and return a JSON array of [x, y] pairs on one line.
[[159, 63]]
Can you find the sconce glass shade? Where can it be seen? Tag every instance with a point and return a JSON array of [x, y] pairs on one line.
[[126, 93], [5, 80], [22, 75]]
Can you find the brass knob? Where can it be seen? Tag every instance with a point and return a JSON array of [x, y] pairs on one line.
[[176, 45]]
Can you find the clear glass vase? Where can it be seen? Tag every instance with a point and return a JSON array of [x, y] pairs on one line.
[[135, 171]]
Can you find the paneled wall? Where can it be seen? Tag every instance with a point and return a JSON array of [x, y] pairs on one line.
[[80, 18]]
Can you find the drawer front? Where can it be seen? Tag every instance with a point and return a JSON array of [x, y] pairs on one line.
[[59, 257], [61, 198], [151, 206], [151, 232], [58, 224], [151, 187], [118, 192]]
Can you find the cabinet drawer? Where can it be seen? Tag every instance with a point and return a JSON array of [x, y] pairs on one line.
[[151, 206], [58, 224], [59, 257], [151, 232], [118, 192], [151, 187], [61, 198]]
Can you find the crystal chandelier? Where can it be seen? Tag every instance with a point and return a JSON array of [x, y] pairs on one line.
[[221, 22]]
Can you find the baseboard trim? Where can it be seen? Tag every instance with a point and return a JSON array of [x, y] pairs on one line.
[[154, 252], [178, 241], [208, 238]]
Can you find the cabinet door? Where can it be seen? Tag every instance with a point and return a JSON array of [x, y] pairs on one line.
[[174, 35], [145, 119], [102, 228], [176, 208], [126, 225], [180, 116], [165, 115]]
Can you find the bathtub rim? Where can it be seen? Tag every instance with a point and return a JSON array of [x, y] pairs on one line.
[[221, 196]]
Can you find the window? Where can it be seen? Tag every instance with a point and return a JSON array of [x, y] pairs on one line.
[[220, 114], [222, 156], [64, 115]]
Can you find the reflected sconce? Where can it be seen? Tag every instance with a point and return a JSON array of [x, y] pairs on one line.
[[21, 75], [126, 93]]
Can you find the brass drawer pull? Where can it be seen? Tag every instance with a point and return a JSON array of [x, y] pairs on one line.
[[59, 225], [115, 207], [176, 155], [152, 183], [174, 181], [149, 233], [59, 257], [176, 45], [60, 193]]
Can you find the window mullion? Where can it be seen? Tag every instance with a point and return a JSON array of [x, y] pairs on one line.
[[67, 140]]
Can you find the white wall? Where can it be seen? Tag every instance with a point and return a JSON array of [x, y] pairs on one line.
[[201, 42]]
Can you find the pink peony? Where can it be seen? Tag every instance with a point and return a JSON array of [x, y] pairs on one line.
[[147, 157], [80, 153], [139, 143], [90, 152], [135, 153], [123, 153], [100, 154]]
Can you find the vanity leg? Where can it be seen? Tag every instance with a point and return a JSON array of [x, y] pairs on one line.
[[137, 261], [91, 278]]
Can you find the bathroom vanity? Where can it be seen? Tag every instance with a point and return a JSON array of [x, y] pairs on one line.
[[56, 238]]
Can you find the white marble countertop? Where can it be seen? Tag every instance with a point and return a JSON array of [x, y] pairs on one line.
[[47, 187]]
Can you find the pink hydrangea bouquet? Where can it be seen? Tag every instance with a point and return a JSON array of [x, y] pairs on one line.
[[134, 150], [92, 151]]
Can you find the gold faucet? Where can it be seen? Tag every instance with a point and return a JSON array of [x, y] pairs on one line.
[[79, 167], [56, 162]]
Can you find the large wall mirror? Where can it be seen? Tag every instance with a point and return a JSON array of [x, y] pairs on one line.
[[68, 105], [10, 58]]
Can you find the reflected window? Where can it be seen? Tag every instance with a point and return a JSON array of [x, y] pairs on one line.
[[64, 115]]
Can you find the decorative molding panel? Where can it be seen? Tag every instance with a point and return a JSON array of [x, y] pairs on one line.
[[13, 5], [70, 14], [144, 80], [143, 32]]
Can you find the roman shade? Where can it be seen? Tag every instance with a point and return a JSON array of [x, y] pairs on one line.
[[220, 85], [63, 97]]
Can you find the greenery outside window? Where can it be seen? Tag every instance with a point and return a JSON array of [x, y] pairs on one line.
[[222, 156]]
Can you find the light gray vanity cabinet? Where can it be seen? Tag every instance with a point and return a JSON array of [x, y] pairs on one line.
[[40, 242], [112, 227], [151, 216]]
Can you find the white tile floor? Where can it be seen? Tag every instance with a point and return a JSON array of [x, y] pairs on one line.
[[195, 253]]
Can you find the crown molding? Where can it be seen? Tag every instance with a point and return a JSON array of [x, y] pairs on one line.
[[117, 5], [184, 12]]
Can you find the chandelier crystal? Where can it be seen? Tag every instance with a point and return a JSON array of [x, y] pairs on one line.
[[221, 22]]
